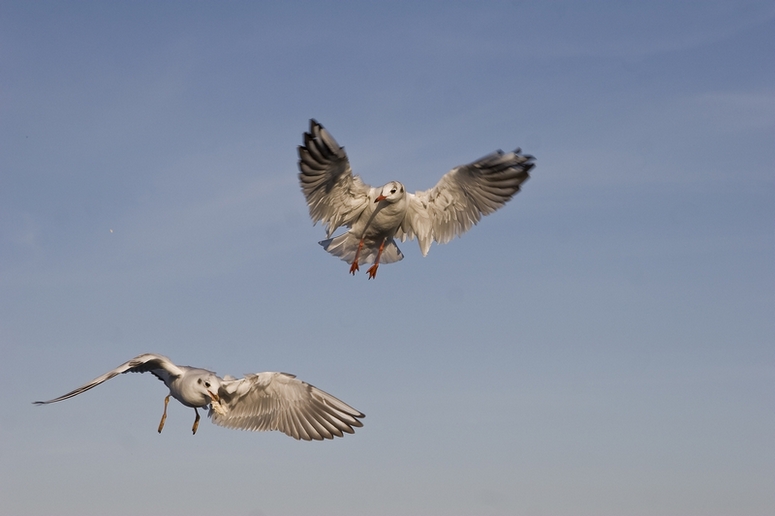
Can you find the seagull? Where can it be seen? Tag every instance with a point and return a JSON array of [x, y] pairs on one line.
[[376, 216], [258, 402]]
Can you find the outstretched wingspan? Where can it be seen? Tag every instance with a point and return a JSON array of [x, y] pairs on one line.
[[159, 365]]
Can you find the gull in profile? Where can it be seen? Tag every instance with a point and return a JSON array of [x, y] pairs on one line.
[[258, 402], [376, 216]]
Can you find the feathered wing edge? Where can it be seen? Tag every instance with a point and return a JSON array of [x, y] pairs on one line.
[[335, 197], [159, 365], [462, 196], [279, 401]]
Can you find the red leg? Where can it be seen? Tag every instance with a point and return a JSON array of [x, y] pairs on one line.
[[373, 269], [354, 266]]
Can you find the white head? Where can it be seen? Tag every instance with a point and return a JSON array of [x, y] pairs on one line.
[[207, 386], [391, 192]]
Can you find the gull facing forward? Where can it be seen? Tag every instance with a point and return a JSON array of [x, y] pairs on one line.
[[376, 215], [261, 401]]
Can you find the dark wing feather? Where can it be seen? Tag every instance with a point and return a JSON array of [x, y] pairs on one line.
[[335, 197]]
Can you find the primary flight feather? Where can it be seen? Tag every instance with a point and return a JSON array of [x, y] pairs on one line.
[[375, 216]]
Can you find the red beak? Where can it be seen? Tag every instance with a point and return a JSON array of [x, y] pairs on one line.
[[380, 198]]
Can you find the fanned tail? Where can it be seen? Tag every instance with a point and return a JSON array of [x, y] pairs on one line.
[[344, 246]]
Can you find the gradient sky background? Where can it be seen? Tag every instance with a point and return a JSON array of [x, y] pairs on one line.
[[603, 345]]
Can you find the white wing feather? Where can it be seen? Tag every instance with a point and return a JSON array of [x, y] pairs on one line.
[[335, 197], [279, 401], [463, 196], [159, 365]]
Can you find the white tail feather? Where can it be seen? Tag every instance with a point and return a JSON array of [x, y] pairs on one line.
[[344, 246]]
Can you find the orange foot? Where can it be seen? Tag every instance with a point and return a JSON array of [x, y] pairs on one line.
[[373, 271], [354, 267]]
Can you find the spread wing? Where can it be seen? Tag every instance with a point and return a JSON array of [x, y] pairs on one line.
[[463, 196], [335, 197], [279, 401], [159, 365]]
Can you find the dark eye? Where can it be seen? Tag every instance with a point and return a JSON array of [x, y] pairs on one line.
[[393, 190], [207, 384]]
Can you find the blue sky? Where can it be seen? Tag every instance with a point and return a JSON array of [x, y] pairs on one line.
[[602, 345]]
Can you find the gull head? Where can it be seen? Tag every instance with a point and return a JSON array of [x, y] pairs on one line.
[[391, 192], [208, 385]]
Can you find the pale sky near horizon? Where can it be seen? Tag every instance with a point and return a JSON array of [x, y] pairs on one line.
[[602, 345]]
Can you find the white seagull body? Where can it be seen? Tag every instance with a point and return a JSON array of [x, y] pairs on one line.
[[376, 216], [261, 401]]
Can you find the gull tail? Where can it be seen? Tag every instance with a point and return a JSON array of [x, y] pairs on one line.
[[344, 247]]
